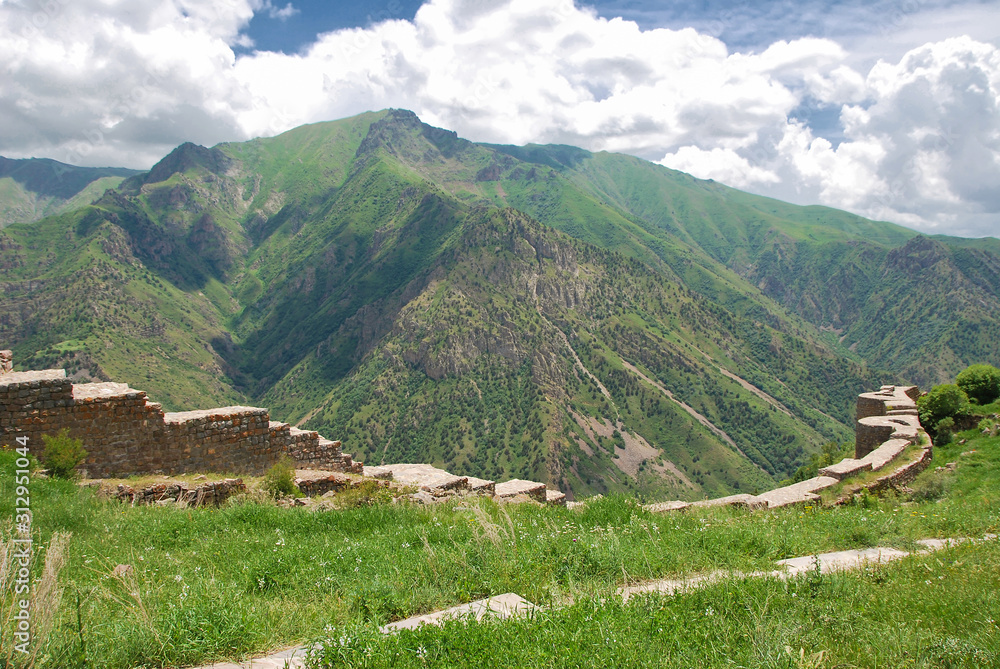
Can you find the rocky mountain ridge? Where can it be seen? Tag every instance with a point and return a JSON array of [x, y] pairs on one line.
[[588, 320]]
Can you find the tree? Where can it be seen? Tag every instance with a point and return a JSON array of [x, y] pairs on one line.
[[981, 383], [941, 402]]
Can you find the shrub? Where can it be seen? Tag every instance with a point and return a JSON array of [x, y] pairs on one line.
[[944, 431], [280, 478], [941, 402], [981, 383], [62, 454]]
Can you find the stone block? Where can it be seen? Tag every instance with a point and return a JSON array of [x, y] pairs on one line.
[[515, 487], [741, 500], [663, 507], [482, 486], [555, 498], [886, 453], [426, 477], [844, 468], [797, 493]]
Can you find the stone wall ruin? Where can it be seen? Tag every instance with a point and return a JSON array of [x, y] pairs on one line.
[[126, 434]]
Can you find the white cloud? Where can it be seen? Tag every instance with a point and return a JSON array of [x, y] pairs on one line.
[[919, 135], [724, 165], [273, 12]]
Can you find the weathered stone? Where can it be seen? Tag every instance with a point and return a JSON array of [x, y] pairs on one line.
[[797, 493], [740, 500], [376, 472], [482, 486], [426, 477], [845, 468], [662, 507], [886, 453], [423, 497], [555, 498], [501, 606], [515, 487], [873, 431]]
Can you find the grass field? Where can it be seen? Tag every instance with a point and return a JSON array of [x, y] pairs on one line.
[[213, 584]]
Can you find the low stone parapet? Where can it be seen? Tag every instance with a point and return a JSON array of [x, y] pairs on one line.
[[311, 482], [207, 494], [845, 468], [740, 500], [873, 431], [125, 434], [515, 487], [797, 493]]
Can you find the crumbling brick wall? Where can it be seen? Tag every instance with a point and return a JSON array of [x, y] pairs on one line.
[[124, 433]]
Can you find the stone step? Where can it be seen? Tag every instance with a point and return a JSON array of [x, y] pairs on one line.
[[886, 453], [482, 486], [555, 498], [507, 605], [742, 500], [797, 493], [845, 468], [515, 487]]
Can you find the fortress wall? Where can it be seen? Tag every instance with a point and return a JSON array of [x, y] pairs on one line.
[[229, 439], [889, 413], [126, 434], [33, 404]]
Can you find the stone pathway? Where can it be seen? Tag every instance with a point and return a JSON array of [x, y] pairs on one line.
[[828, 562], [510, 605]]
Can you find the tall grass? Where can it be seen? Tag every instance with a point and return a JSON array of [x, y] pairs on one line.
[[928, 611], [211, 584]]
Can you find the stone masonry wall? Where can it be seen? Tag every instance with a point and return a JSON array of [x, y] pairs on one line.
[[6, 362], [125, 434], [889, 413]]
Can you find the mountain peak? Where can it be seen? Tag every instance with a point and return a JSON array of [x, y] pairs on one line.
[[185, 157]]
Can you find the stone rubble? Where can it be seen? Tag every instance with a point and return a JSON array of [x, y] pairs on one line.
[[436, 485], [207, 494]]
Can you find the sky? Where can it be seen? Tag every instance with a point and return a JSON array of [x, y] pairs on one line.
[[890, 109]]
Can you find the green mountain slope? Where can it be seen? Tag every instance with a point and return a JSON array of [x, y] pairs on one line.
[[33, 188], [591, 320]]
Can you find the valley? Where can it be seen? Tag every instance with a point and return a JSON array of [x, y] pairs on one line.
[[589, 320]]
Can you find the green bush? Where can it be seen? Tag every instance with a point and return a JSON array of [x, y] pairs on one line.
[[62, 453], [944, 431], [981, 383], [280, 478], [941, 402]]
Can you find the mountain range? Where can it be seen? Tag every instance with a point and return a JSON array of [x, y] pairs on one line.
[[591, 320], [33, 188]]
